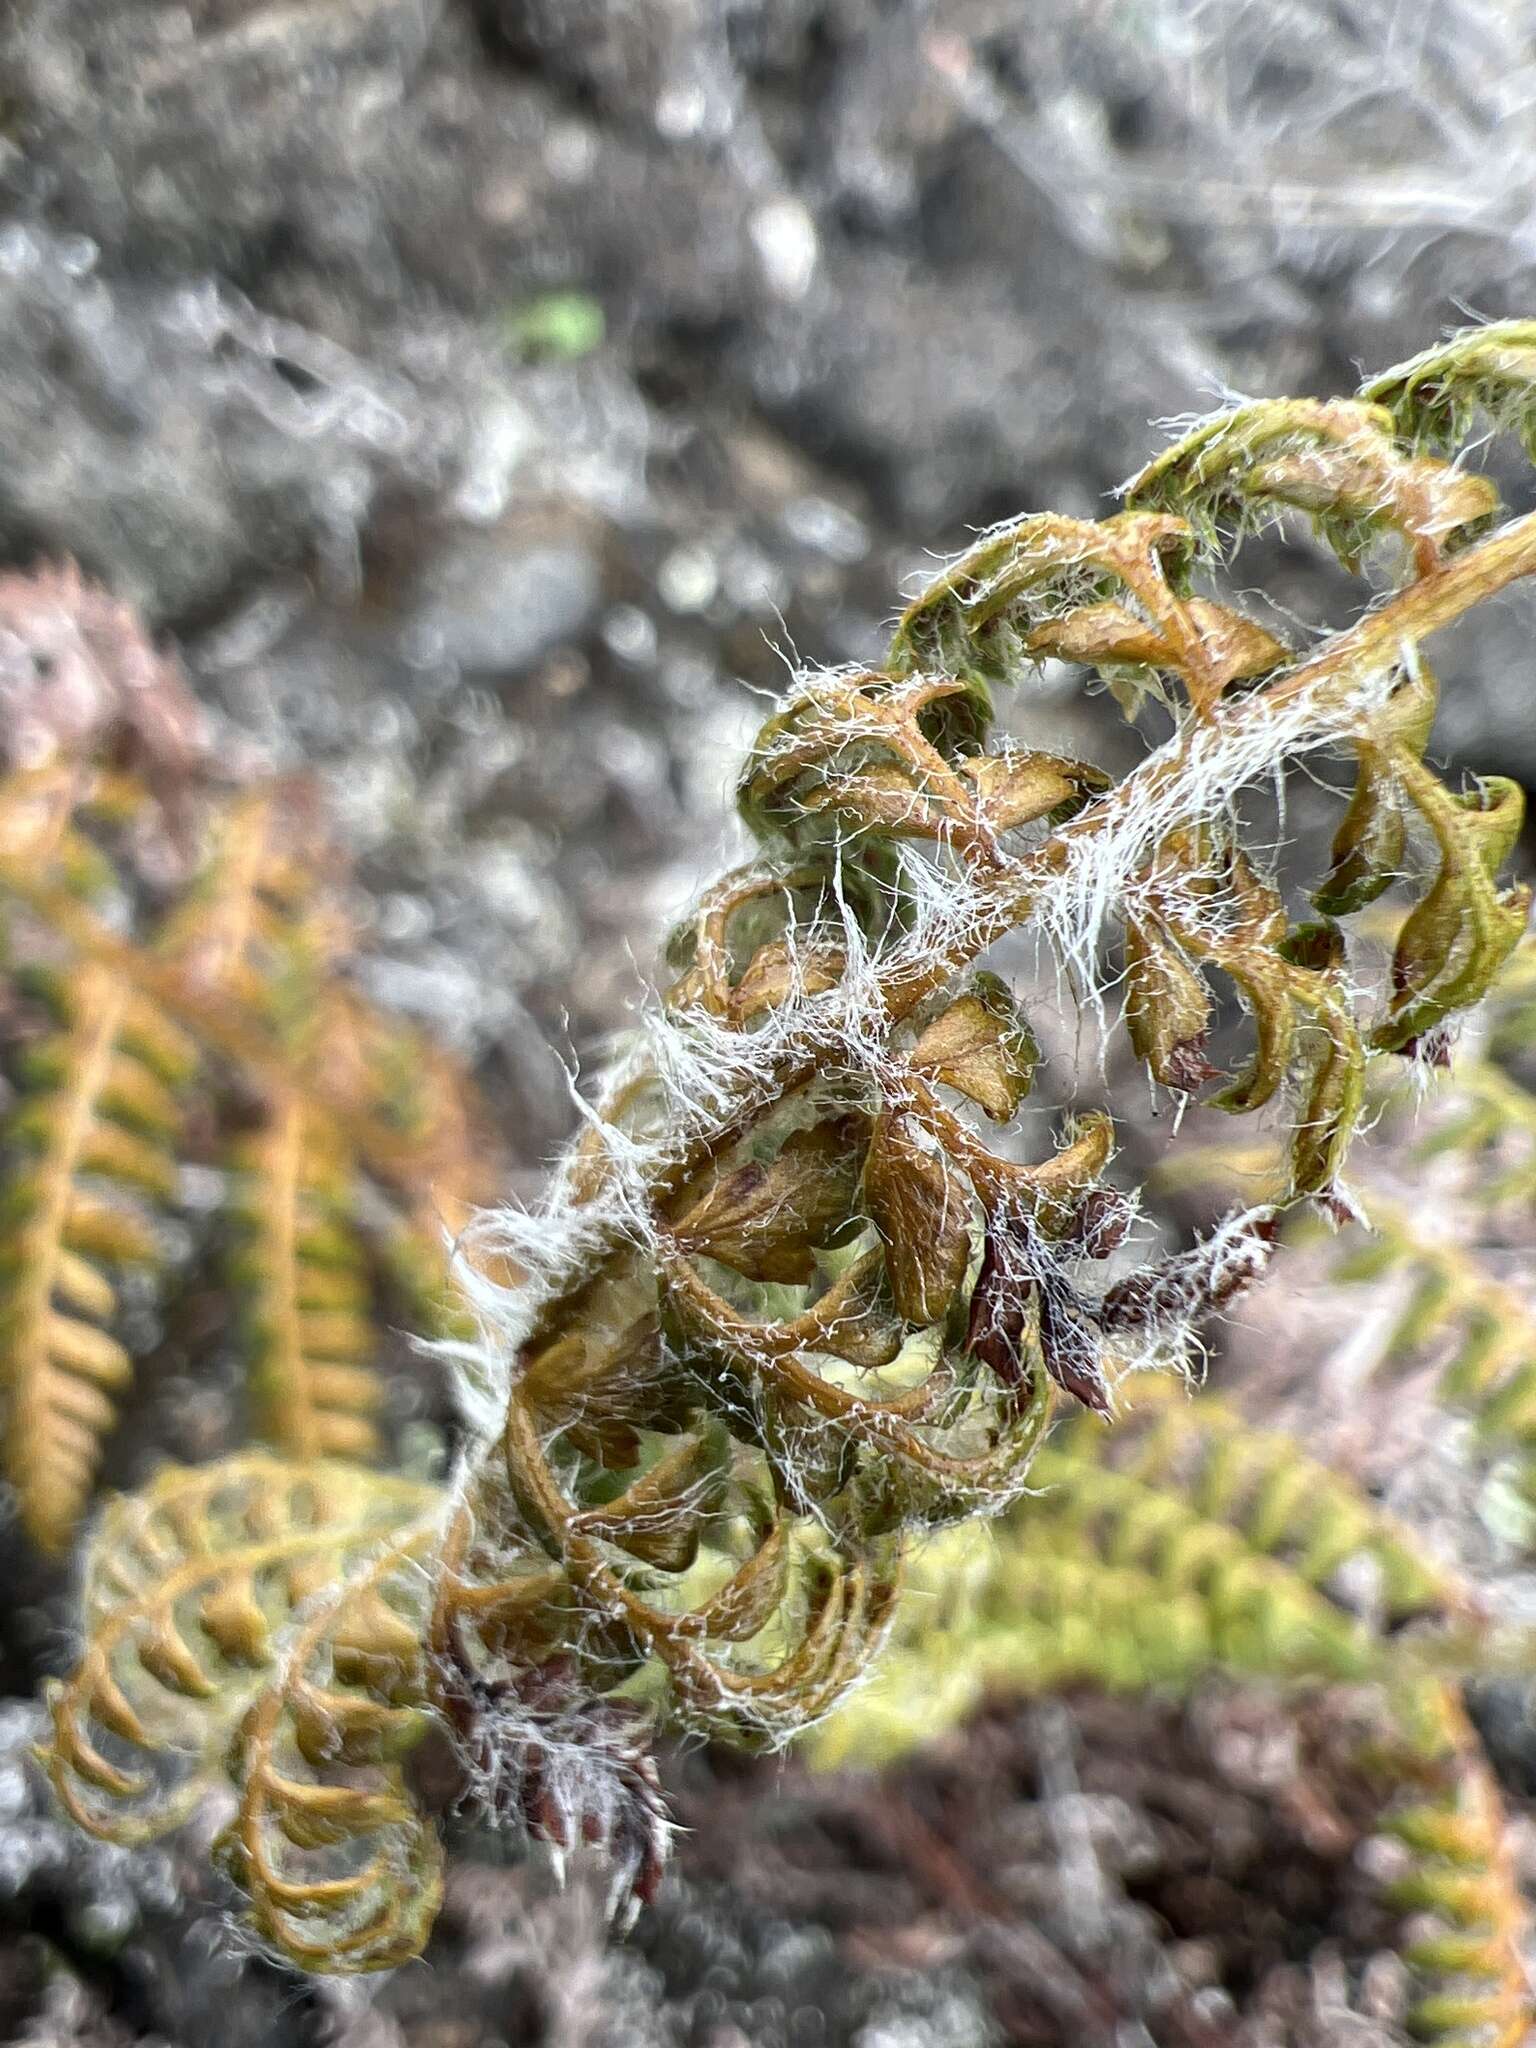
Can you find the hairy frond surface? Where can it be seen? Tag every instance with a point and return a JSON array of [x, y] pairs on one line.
[[785, 1305], [812, 1279]]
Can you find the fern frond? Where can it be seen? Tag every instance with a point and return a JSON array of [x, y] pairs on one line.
[[1203, 1455], [1487, 1117], [302, 1273], [1459, 1310], [192, 1590], [787, 1308], [766, 1634], [255, 924], [242, 979], [1180, 1543], [94, 1138], [1485, 1324], [251, 1036], [260, 928], [1436, 396], [1468, 1938], [40, 813]]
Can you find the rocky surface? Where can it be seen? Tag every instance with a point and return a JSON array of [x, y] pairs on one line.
[[1086, 1872]]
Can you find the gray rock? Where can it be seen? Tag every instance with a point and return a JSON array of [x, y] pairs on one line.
[[488, 605]]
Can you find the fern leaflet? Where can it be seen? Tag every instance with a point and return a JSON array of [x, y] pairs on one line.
[[94, 1137]]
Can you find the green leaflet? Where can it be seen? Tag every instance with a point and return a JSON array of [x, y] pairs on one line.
[[1331, 460], [1435, 397], [1459, 935]]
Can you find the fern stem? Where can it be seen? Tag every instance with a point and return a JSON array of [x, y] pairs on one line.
[[1006, 895]]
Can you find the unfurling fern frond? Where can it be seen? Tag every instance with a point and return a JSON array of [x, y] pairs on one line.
[[342, 1869], [94, 1139], [788, 1195], [788, 1307], [193, 1590]]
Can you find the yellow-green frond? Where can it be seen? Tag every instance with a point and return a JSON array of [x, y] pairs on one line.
[[1177, 1543], [341, 1869], [1469, 1926]]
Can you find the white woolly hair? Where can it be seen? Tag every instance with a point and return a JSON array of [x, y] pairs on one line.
[[705, 1077]]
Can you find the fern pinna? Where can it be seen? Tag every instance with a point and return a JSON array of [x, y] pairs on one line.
[[785, 1307], [1182, 1542], [1462, 1281], [95, 1142]]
